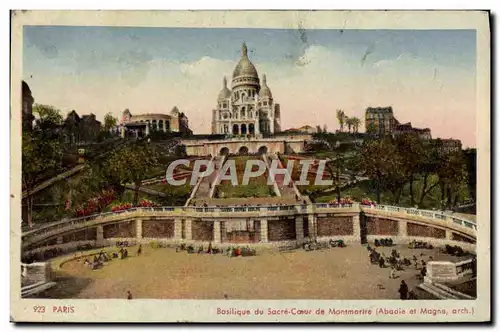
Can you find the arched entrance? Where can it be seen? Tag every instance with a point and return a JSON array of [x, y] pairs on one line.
[[263, 150], [236, 130], [243, 129], [243, 150], [224, 151], [251, 129]]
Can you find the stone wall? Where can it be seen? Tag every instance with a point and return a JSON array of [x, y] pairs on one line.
[[460, 238], [281, 230], [381, 226], [120, 230], [242, 237], [89, 234], [158, 228], [202, 230], [425, 231], [331, 226]]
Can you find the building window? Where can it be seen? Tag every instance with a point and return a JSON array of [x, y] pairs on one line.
[[265, 103], [160, 125], [243, 112]]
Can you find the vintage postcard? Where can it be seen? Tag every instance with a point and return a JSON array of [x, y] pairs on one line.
[[250, 166]]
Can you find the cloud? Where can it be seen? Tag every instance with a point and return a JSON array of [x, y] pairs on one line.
[[206, 67], [309, 88], [401, 59]]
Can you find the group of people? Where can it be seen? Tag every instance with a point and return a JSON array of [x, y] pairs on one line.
[[420, 245], [230, 251], [102, 258], [397, 263], [383, 242], [98, 260]]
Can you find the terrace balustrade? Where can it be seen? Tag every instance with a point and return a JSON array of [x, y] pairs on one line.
[[249, 211]]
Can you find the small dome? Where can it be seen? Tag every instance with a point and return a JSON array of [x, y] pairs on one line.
[[265, 92], [174, 112], [245, 67], [225, 92]]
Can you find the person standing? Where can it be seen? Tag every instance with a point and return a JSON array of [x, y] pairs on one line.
[[392, 274], [403, 290], [129, 295]]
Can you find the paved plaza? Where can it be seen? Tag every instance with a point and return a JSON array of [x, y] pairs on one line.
[[337, 273]]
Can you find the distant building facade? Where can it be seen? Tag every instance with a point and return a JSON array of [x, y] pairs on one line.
[[380, 120], [406, 128], [27, 107], [82, 129], [450, 145], [304, 129], [248, 108], [141, 125]]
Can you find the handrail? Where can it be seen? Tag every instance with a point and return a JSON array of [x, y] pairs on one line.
[[210, 209], [424, 213], [255, 208]]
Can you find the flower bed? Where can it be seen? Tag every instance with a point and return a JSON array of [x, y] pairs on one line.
[[343, 202], [121, 207], [95, 204], [147, 203], [368, 202]]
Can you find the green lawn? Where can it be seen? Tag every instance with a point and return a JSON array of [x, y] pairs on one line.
[[257, 187]]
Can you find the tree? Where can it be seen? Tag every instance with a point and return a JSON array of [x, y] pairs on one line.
[[132, 164], [470, 158], [336, 168], [452, 174], [355, 123], [349, 123], [431, 159], [411, 151], [110, 122], [381, 163], [40, 156], [341, 119], [48, 117]]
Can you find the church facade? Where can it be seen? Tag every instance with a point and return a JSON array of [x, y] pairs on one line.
[[248, 108]]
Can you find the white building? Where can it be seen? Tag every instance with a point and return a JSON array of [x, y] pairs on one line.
[[248, 108]]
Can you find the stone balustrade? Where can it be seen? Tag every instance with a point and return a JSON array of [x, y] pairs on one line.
[[423, 213], [306, 211]]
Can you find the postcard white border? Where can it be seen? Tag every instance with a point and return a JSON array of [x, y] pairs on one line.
[[204, 310]]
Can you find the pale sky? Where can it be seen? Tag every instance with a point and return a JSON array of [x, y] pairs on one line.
[[427, 76]]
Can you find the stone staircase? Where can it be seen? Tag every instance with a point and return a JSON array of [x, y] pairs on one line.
[[205, 187], [286, 190]]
